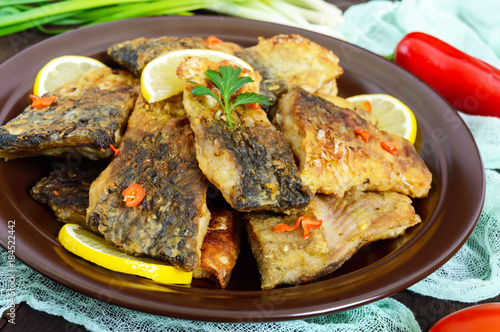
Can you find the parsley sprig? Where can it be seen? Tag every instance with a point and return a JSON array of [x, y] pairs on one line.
[[228, 81]]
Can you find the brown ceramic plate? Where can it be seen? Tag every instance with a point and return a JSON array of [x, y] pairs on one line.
[[449, 213]]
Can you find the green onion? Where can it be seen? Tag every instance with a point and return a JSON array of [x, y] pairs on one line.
[[27, 25], [56, 8], [19, 2], [156, 8], [18, 15], [315, 15]]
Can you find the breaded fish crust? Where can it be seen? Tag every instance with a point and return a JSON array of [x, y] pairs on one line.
[[88, 115], [334, 159], [251, 164], [135, 54], [157, 152], [348, 224]]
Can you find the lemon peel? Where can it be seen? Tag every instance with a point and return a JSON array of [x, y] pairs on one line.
[[159, 78], [62, 70], [95, 249], [391, 114]]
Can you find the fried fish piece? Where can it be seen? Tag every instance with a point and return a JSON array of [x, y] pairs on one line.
[[348, 225], [221, 247], [157, 152], [288, 60], [89, 114], [252, 164], [334, 159], [344, 103], [296, 60], [135, 54], [66, 190]]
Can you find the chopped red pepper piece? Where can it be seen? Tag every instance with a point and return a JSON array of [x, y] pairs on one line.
[[254, 105], [368, 106], [42, 101], [389, 147], [286, 228], [307, 225], [363, 133], [115, 150], [212, 40], [133, 195]]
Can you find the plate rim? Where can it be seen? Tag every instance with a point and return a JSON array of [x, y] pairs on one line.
[[279, 313]]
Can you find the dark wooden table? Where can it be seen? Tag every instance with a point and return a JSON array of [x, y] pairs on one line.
[[427, 310]]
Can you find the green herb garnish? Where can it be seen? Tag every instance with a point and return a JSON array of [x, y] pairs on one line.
[[228, 82]]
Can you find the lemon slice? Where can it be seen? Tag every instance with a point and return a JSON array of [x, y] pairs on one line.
[[159, 78], [95, 249], [62, 70], [391, 114]]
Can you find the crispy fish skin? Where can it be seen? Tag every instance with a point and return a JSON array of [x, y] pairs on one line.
[[88, 115], [221, 247], [343, 103], [157, 152], [66, 191], [135, 54], [348, 225], [334, 159], [251, 164]]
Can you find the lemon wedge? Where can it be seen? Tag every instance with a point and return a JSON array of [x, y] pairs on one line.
[[62, 70], [95, 249], [391, 114], [159, 78]]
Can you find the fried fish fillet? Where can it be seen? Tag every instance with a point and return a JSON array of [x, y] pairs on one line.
[[334, 159], [252, 164], [348, 224], [135, 54], [89, 114], [221, 247], [66, 191], [157, 152], [288, 60]]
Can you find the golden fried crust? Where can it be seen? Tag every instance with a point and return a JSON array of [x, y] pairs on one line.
[[334, 159], [171, 221], [344, 103], [88, 115], [252, 164], [295, 60], [150, 117], [221, 247], [136, 54], [226, 47], [348, 225]]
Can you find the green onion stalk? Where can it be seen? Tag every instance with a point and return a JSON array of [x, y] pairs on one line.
[[18, 15]]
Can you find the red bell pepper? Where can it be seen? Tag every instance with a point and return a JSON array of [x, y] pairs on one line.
[[482, 317], [469, 84]]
